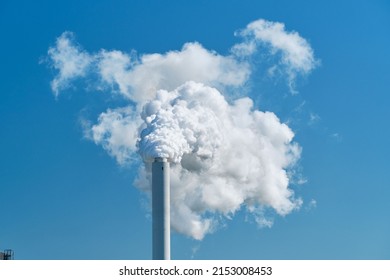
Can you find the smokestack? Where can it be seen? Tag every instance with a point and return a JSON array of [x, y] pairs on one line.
[[161, 209]]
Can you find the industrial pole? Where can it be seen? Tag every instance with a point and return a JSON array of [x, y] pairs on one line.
[[161, 209]]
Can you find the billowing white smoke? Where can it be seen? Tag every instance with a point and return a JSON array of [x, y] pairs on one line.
[[225, 156]]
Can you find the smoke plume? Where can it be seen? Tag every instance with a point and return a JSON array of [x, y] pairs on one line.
[[225, 154]]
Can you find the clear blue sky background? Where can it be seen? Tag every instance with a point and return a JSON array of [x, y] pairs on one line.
[[63, 197]]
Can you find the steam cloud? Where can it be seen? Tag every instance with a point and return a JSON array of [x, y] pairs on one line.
[[225, 156]]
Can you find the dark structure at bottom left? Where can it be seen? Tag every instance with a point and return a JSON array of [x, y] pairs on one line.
[[7, 255]]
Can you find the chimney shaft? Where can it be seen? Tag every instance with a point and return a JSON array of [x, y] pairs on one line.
[[161, 209]]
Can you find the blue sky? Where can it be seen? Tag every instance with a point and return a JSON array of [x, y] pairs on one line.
[[63, 197]]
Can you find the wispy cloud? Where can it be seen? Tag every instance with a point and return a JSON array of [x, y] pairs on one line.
[[337, 137], [69, 60], [297, 56], [311, 205], [314, 118], [139, 78]]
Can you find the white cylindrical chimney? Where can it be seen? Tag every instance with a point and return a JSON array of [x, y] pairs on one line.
[[161, 209]]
